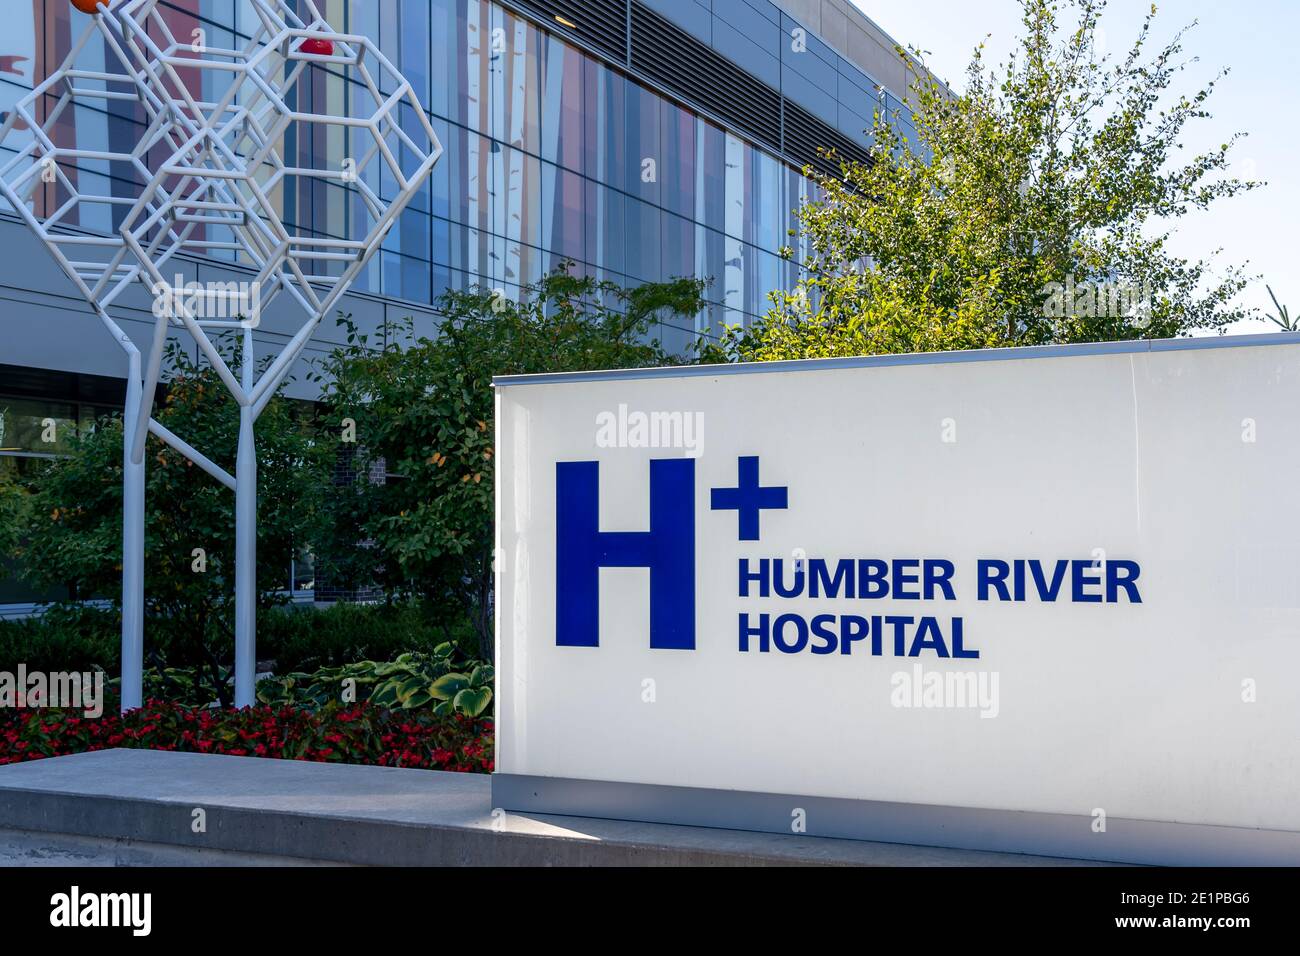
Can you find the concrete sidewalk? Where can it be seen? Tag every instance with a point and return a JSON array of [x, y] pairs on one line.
[[139, 807]]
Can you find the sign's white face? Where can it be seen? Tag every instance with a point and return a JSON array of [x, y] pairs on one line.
[[1073, 579]]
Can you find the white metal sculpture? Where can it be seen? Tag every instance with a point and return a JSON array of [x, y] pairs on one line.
[[207, 167]]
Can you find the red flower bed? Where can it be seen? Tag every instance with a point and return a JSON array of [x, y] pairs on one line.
[[358, 733]]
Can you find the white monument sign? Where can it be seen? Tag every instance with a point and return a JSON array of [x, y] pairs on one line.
[[1043, 600]]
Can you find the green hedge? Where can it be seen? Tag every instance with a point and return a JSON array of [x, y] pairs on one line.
[[75, 637], [67, 638], [304, 638]]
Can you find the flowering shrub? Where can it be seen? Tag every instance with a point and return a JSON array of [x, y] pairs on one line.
[[358, 733]]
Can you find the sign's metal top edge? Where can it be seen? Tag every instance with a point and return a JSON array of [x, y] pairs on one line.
[[909, 358]]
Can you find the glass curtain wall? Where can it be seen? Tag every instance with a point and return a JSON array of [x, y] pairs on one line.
[[550, 156]]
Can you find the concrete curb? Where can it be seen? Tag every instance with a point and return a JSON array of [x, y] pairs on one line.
[[383, 816]]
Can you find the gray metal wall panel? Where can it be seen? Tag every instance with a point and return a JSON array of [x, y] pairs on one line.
[[695, 18], [760, 60], [44, 323]]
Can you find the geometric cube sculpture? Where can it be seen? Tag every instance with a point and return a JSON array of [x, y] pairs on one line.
[[203, 176], [229, 165], [382, 151]]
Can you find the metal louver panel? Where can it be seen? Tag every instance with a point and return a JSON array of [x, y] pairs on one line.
[[667, 54], [601, 24], [805, 133]]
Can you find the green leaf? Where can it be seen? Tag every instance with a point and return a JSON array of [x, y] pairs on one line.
[[472, 701], [385, 695], [417, 699], [408, 687], [448, 685]]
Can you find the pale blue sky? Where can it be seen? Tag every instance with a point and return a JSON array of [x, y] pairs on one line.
[[1257, 40]]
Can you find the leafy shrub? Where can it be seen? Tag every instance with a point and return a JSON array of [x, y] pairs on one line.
[[68, 637], [412, 681], [83, 637], [304, 638], [187, 686], [357, 734]]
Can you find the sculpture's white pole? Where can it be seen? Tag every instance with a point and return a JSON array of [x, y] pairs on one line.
[[246, 543], [132, 546]]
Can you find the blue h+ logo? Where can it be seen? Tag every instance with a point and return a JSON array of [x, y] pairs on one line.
[[667, 549]]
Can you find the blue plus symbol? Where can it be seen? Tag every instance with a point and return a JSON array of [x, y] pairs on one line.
[[748, 498]]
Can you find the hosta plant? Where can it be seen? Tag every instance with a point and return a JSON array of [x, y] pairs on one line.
[[414, 680]]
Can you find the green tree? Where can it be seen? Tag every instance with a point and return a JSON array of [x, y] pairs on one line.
[[72, 533], [423, 413], [13, 507], [1045, 178]]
